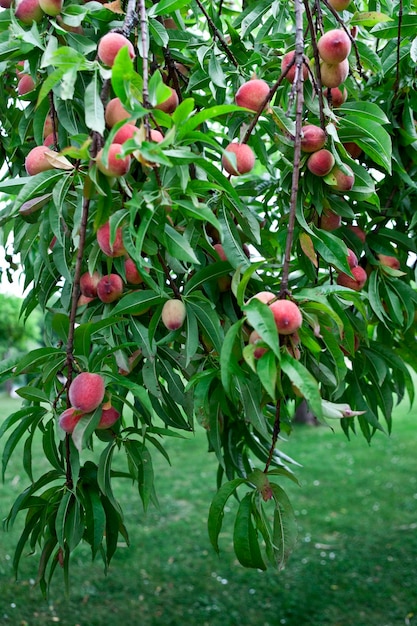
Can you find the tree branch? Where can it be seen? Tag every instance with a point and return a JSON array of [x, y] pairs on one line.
[[218, 35]]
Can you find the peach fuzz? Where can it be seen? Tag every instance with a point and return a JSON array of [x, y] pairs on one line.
[[36, 161], [334, 46], [352, 259], [389, 261], [358, 232], [28, 11], [321, 162], [25, 85], [110, 44], [5, 4], [263, 296], [287, 316], [357, 282], [330, 221], [173, 314], [170, 104], [340, 180], [133, 276], [286, 61], [252, 94], [353, 149], [84, 300], [115, 112], [220, 251], [69, 419], [110, 288], [49, 140], [88, 284], [336, 96], [339, 5], [51, 7], [245, 159], [333, 75], [86, 392], [255, 338], [125, 132], [313, 138], [116, 165], [114, 248], [108, 417]]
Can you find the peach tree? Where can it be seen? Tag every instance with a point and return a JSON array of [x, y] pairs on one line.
[[213, 204]]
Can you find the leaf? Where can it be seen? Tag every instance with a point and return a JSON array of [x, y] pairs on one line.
[[94, 109], [245, 539], [207, 319], [167, 6], [260, 317], [178, 246], [104, 476], [303, 379], [137, 302], [285, 526], [95, 518], [216, 512]]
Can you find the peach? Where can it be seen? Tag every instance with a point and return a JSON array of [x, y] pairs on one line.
[[358, 232], [389, 261], [352, 259], [339, 5], [108, 417], [110, 248], [321, 162], [286, 62], [333, 75], [313, 138], [287, 316], [36, 161], [220, 251], [69, 419], [49, 140], [340, 180], [251, 95], [330, 221], [357, 282], [110, 44], [170, 104], [28, 11], [84, 300], [125, 132], [156, 136], [173, 314], [88, 284], [336, 96], [353, 149], [115, 112], [86, 392], [263, 296], [51, 7], [255, 338], [5, 4], [133, 276], [48, 126], [116, 165], [334, 46], [245, 159], [110, 288], [20, 65], [25, 85]]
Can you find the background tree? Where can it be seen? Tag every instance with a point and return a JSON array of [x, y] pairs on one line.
[[213, 204]]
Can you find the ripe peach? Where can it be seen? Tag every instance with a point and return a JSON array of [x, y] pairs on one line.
[[255, 338], [336, 96], [25, 85], [220, 251], [28, 11], [49, 140], [321, 162], [170, 104], [83, 300], [51, 7], [287, 316], [352, 259], [156, 135], [173, 314], [245, 159], [115, 248], [48, 126], [5, 4], [333, 75], [86, 392], [108, 417], [357, 282], [358, 232], [353, 149], [115, 112], [125, 132], [263, 296], [342, 181], [69, 419], [36, 161], [252, 94], [330, 221], [334, 46], [339, 5], [116, 166], [88, 284], [110, 288], [20, 65], [313, 138], [110, 44], [132, 275], [286, 61], [389, 261]]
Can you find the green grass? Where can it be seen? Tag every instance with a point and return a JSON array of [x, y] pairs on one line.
[[355, 563]]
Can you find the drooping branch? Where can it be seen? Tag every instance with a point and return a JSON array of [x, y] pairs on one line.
[[299, 49], [217, 34]]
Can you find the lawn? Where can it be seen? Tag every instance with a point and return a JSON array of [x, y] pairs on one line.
[[355, 563]]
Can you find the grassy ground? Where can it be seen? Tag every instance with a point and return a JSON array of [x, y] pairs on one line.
[[355, 563]]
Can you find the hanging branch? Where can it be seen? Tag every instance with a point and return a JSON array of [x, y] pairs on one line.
[[217, 34], [299, 48]]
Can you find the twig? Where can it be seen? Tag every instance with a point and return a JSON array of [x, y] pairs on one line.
[[217, 33], [275, 432], [173, 286], [317, 78], [299, 47], [131, 18]]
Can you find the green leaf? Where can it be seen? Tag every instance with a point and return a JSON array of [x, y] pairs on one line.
[[229, 357], [216, 512], [94, 109], [167, 6], [95, 518], [285, 526], [260, 317], [137, 302], [104, 476], [207, 319], [245, 539], [178, 246], [303, 379]]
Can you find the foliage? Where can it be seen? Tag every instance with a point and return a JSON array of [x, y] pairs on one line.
[[14, 334], [348, 360]]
